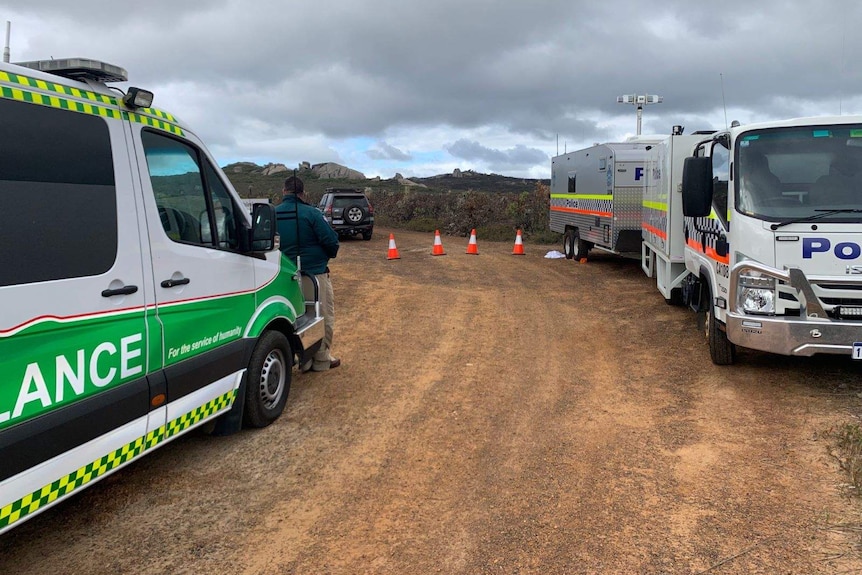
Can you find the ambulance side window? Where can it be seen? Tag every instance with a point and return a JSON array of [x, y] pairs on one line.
[[58, 204], [223, 209], [178, 187]]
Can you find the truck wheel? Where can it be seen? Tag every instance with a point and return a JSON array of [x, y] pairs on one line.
[[675, 297], [580, 248], [568, 246], [721, 350], [268, 380], [367, 235]]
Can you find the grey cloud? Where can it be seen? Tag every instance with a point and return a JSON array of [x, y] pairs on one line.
[[519, 156], [534, 70], [384, 151]]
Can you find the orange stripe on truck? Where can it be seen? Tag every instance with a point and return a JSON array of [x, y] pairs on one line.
[[587, 212]]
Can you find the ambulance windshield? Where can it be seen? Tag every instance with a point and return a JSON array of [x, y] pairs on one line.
[[790, 173]]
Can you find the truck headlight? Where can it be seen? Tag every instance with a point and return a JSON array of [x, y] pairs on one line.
[[756, 293]]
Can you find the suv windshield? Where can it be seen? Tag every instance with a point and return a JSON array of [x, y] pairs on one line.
[[794, 173]]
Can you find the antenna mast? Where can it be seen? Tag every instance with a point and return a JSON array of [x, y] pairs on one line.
[[723, 101], [8, 36]]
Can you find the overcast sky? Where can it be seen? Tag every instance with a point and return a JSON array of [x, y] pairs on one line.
[[422, 88]]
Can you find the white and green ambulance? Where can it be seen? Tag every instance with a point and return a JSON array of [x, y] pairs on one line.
[[139, 298]]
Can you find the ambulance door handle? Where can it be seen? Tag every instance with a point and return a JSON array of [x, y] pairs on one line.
[[125, 290], [172, 283]]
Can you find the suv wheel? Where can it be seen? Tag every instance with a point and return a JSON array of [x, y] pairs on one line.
[[366, 235]]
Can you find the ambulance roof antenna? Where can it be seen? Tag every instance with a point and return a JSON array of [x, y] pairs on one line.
[[8, 36], [723, 101]]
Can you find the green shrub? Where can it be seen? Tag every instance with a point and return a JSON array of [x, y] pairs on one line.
[[423, 224]]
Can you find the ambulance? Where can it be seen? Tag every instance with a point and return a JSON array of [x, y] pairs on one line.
[[139, 297]]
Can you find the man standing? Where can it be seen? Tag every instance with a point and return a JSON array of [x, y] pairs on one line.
[[304, 231]]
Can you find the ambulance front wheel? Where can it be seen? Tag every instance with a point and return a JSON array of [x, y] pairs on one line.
[[268, 380]]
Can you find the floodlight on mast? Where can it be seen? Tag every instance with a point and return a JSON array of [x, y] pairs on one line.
[[639, 100]]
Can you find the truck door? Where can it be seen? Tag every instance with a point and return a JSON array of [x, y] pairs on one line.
[[73, 337], [204, 287]]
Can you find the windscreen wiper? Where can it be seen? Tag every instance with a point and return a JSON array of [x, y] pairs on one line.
[[822, 214]]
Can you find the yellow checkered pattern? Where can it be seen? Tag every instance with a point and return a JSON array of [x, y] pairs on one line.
[[104, 106], [92, 471]]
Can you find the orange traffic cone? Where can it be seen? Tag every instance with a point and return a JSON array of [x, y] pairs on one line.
[[472, 248], [437, 250], [393, 251], [518, 250]]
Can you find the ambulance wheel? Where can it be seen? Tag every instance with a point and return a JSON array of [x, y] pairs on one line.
[[568, 246], [721, 350], [580, 248], [268, 380]]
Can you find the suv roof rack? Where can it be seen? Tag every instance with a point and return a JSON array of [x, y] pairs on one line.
[[79, 69]]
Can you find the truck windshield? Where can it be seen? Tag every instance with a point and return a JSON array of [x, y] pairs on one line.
[[793, 173]]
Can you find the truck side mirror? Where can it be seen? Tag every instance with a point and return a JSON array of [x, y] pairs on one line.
[[263, 228], [697, 187]]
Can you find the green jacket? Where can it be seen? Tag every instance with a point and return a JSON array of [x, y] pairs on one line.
[[318, 242]]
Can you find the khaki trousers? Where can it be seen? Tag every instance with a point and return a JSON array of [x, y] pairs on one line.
[[327, 306]]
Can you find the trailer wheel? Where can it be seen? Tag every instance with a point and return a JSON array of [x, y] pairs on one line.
[[580, 248], [268, 380], [568, 246], [721, 350]]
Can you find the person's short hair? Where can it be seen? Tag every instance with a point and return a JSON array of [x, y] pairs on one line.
[[294, 185]]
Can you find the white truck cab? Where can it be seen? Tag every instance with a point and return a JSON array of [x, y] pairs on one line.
[[139, 298], [773, 237]]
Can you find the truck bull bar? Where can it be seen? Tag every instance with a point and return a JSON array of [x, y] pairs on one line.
[[811, 333]]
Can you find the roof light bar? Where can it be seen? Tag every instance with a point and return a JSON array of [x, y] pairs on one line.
[[79, 69]]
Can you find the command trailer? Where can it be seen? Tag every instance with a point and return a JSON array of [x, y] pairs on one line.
[[596, 198]]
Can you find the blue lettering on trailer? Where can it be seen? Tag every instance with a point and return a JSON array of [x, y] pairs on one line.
[[639, 173]]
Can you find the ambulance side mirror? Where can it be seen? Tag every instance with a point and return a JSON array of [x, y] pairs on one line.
[[697, 187], [263, 228]]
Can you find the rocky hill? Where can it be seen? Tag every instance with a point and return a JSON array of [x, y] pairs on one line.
[[254, 181]]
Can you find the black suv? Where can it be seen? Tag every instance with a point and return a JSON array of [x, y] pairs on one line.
[[348, 211]]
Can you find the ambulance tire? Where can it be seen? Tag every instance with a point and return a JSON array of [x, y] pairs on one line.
[[580, 248], [568, 246], [268, 383], [721, 350]]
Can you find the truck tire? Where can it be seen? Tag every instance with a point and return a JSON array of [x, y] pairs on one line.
[[675, 297], [721, 350], [268, 382], [580, 248], [568, 246]]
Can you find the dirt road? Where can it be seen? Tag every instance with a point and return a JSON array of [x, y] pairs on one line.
[[493, 414]]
